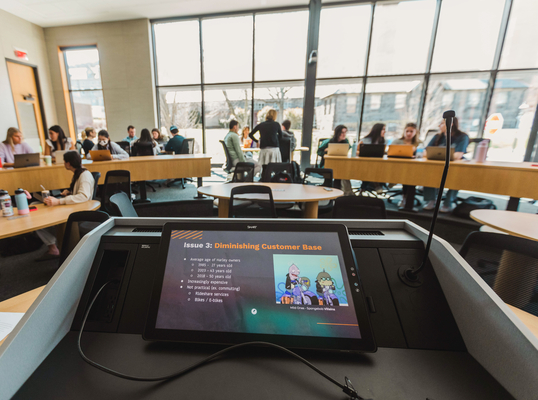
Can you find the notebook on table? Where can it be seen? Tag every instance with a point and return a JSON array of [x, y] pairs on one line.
[[100, 155], [401, 150]]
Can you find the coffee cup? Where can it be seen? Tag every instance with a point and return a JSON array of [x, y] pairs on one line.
[[45, 194], [48, 160]]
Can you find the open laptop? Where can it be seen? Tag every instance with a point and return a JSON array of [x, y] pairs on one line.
[[100, 155], [401, 150], [26, 160], [337, 149], [59, 155], [372, 150], [438, 153]]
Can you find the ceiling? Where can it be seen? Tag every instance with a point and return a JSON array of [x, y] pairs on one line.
[[47, 13]]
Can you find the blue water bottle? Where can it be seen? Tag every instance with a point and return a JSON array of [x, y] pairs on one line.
[[21, 201]]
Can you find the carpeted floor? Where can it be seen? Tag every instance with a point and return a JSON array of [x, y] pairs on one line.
[[20, 273]]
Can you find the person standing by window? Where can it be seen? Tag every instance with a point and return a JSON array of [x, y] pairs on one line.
[[270, 133], [460, 141], [14, 144], [88, 137], [286, 133], [57, 140], [131, 135], [104, 143]]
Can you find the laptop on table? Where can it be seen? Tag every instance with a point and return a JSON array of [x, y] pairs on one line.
[[372, 150], [337, 149], [439, 153], [100, 155], [401, 151], [26, 160]]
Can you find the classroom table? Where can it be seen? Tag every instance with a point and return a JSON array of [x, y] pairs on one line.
[[514, 179], [524, 225], [43, 217], [282, 192], [145, 168]]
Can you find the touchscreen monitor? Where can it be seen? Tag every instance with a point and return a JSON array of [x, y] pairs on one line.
[[297, 286]]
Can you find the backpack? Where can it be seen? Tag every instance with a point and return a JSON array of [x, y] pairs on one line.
[[296, 173], [465, 206]]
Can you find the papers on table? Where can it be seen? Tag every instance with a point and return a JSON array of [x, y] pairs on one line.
[[8, 320]]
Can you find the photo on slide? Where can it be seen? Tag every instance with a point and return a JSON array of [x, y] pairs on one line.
[[308, 280]]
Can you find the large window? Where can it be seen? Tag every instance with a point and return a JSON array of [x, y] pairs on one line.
[[85, 88], [392, 62]]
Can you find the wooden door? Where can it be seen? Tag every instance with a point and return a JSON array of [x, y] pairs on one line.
[[27, 103]]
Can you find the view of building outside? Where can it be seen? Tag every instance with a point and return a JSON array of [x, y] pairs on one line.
[[85, 88], [255, 62]]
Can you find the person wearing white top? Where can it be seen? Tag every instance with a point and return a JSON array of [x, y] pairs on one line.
[[80, 190], [57, 141], [104, 143]]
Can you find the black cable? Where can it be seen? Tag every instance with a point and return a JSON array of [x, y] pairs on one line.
[[347, 388]]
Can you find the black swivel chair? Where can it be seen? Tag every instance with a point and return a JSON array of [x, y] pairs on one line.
[[485, 251], [115, 182], [256, 212], [228, 167], [318, 158], [359, 207], [243, 172], [78, 224], [320, 177], [96, 177], [123, 205], [187, 147], [140, 149], [285, 150], [271, 169]]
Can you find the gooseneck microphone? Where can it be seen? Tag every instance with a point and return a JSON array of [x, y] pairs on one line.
[[410, 276]]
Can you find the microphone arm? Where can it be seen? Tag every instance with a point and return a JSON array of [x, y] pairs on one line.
[[409, 275]]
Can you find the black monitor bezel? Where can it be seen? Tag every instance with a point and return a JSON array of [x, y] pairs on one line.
[[365, 344]]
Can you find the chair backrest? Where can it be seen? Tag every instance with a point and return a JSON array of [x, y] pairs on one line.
[[187, 147], [285, 149], [142, 149], [78, 146], [271, 169], [123, 205], [125, 145], [318, 177], [254, 189], [181, 208], [359, 207], [96, 177], [320, 141], [228, 166], [243, 172], [115, 182], [517, 285], [78, 224]]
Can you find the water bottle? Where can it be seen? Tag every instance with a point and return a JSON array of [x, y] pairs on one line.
[[354, 148], [5, 202], [420, 151], [21, 201], [481, 152]]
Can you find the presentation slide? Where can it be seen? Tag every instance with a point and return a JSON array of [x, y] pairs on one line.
[[279, 283]]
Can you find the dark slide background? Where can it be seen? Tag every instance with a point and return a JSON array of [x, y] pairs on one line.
[[254, 274]]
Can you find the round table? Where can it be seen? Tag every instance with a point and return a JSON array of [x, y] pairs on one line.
[[512, 222], [43, 217], [282, 192], [515, 270]]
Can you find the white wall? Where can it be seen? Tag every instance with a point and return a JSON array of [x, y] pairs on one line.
[[16, 32], [126, 60]]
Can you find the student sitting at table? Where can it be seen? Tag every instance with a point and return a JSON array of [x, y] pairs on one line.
[[270, 133], [231, 140], [376, 136], [175, 144], [57, 140], [411, 137], [104, 143], [80, 190], [145, 137], [14, 144], [88, 136], [339, 137], [158, 137], [131, 135], [460, 141]]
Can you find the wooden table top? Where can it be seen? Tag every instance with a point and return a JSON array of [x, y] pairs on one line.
[[44, 217], [282, 192], [520, 224], [246, 149]]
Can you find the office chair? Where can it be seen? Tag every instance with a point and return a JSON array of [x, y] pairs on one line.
[[270, 170], [243, 172], [359, 207], [96, 177], [125, 145], [182, 208], [187, 147], [320, 141], [320, 177], [516, 284], [140, 149], [123, 206], [285, 149], [228, 167], [115, 182], [78, 224], [257, 212]]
